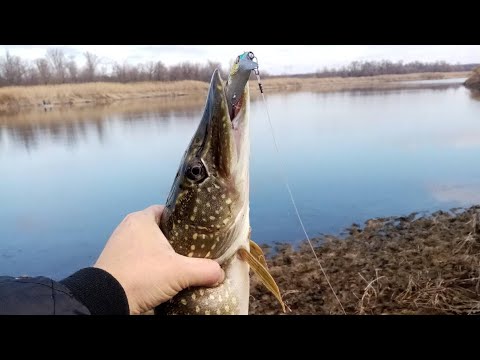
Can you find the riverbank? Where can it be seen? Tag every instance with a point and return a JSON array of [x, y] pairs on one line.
[[17, 98], [398, 265], [473, 82]]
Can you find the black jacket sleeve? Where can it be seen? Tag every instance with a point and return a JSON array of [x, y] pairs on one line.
[[89, 291]]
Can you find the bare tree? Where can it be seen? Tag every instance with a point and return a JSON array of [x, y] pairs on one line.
[[12, 69], [44, 70], [160, 72], [120, 72], [58, 62], [72, 70], [91, 64], [31, 76], [372, 68], [149, 69], [101, 73], [142, 72]]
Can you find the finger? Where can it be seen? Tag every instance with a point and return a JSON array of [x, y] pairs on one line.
[[201, 272], [155, 211]]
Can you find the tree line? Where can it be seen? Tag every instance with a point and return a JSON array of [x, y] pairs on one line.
[[384, 67], [56, 68]]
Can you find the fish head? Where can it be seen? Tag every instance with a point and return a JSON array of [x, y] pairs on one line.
[[207, 207]]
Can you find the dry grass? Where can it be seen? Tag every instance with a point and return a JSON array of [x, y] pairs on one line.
[[25, 96], [338, 83], [20, 97], [397, 265]]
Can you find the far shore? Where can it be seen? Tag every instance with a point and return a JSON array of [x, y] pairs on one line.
[[17, 98]]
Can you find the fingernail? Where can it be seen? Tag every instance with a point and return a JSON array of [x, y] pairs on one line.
[[222, 278]]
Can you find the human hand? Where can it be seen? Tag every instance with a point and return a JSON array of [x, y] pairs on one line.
[[142, 260]]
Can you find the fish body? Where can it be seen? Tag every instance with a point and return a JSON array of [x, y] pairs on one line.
[[207, 211]]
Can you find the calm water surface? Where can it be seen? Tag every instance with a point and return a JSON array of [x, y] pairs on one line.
[[68, 177]]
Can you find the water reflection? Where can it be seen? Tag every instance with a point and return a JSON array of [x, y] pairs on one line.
[[69, 125], [460, 194], [437, 82], [475, 94]]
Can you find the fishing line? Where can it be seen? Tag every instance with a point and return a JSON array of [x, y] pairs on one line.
[[281, 169]]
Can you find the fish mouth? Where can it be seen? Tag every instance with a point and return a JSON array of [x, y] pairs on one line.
[[222, 137]]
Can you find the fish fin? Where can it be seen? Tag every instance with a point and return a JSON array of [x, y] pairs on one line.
[[263, 274], [257, 251]]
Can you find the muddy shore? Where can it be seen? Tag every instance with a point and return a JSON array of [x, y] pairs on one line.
[[416, 264]]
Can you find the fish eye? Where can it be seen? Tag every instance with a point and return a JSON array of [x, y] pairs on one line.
[[251, 56], [196, 171], [237, 60]]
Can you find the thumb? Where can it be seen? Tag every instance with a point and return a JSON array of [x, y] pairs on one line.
[[201, 272]]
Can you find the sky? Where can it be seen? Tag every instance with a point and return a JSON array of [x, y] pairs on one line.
[[276, 59]]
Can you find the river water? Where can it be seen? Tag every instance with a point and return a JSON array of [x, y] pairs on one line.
[[69, 176]]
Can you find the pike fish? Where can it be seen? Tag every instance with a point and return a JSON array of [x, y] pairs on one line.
[[207, 211]]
